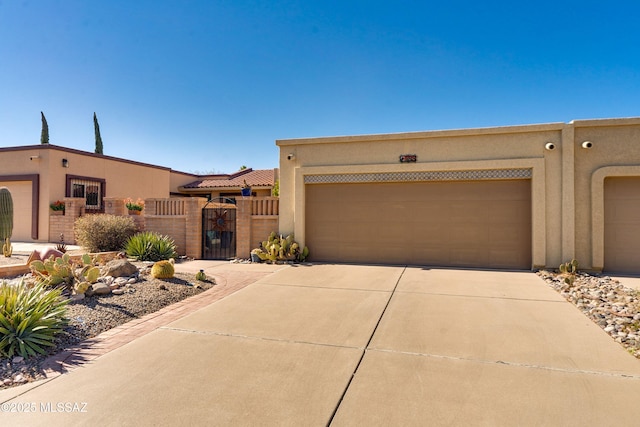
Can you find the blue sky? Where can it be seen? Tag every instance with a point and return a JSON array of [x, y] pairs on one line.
[[210, 85]]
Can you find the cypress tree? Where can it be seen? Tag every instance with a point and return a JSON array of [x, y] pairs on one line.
[[96, 128], [44, 135]]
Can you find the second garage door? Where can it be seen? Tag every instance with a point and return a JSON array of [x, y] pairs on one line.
[[622, 225], [453, 223]]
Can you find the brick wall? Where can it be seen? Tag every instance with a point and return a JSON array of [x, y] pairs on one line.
[[256, 218], [181, 219], [63, 224]]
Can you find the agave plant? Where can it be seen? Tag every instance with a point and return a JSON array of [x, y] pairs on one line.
[[150, 246], [30, 318]]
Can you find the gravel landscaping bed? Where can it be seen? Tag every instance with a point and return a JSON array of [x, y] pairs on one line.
[[93, 315], [613, 307]]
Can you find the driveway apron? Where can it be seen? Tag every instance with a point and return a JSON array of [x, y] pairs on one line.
[[359, 345]]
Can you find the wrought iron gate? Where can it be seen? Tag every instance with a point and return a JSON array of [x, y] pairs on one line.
[[219, 229]]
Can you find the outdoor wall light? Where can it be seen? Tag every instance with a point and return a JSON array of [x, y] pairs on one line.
[[587, 144], [550, 146], [36, 157], [65, 163], [291, 156]]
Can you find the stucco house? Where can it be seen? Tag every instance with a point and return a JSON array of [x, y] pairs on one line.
[[39, 175], [516, 197]]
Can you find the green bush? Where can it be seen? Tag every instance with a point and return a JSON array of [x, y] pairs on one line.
[[101, 233], [150, 246], [30, 317]]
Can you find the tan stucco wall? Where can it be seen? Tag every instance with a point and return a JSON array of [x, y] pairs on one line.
[[561, 190], [178, 179], [123, 178], [615, 152]]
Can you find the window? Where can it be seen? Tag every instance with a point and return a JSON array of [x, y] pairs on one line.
[[92, 190]]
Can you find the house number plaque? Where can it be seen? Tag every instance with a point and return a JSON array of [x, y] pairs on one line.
[[408, 158]]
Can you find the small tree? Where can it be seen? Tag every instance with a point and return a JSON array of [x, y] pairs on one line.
[[96, 128], [44, 135]]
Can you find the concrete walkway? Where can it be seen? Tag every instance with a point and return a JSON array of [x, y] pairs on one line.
[[350, 345]]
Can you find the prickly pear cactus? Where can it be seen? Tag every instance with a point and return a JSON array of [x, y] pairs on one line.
[[279, 248], [6, 213], [162, 270], [568, 270]]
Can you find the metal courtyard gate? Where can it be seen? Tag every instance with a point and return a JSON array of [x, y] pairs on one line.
[[219, 229]]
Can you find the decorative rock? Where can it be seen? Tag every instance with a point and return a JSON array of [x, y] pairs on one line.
[[77, 297], [17, 359], [114, 286], [100, 289], [89, 292], [118, 291], [132, 281], [19, 379], [120, 281], [107, 279], [119, 268], [606, 302], [44, 254], [7, 381], [162, 286]]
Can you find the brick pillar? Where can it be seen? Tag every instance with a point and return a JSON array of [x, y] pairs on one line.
[[243, 227], [193, 213], [114, 206], [73, 209]]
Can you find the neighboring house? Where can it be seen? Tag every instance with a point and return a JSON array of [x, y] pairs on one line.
[[38, 175], [229, 185], [517, 197]]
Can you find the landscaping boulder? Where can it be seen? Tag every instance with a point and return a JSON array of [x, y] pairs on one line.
[[119, 268], [43, 254], [100, 289]]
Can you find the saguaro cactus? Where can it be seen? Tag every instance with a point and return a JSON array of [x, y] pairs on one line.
[[6, 214]]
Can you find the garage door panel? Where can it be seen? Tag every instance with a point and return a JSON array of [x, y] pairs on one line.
[[21, 195], [479, 224], [624, 211], [622, 225], [510, 211]]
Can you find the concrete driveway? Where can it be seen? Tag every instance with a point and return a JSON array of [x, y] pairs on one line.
[[351, 345]]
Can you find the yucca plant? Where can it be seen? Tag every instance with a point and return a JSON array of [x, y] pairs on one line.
[[30, 318], [150, 246]]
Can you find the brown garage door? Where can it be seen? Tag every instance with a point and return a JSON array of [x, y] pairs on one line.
[[457, 223], [21, 196], [622, 225]]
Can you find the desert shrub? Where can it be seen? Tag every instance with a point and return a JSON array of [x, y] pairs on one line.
[[150, 246], [30, 317], [101, 233]]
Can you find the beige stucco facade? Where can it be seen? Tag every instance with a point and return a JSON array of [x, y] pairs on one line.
[[567, 182], [40, 175]]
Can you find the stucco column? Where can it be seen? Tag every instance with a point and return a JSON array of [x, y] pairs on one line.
[[568, 194], [243, 227], [193, 213], [73, 209]]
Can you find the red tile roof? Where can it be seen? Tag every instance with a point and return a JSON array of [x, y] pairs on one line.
[[255, 178]]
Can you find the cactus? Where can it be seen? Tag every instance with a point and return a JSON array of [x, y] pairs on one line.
[[201, 276], [163, 269], [568, 270], [61, 271], [7, 248], [278, 248], [6, 213]]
